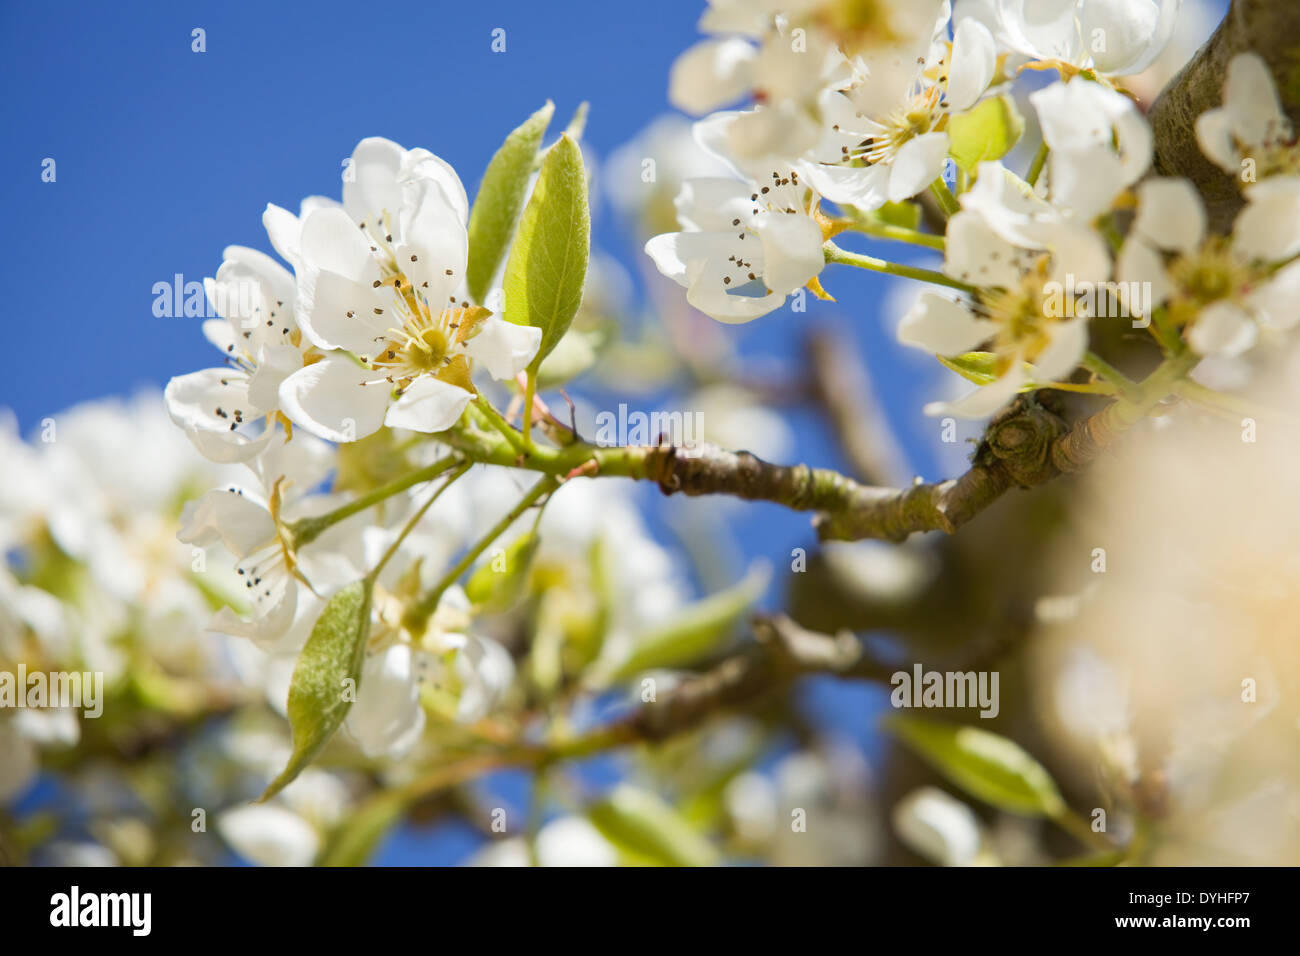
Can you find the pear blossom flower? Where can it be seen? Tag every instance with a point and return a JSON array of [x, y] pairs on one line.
[[380, 284], [250, 524], [1250, 127], [1011, 246], [1111, 37], [228, 413], [745, 246], [883, 139], [1224, 290], [473, 672]]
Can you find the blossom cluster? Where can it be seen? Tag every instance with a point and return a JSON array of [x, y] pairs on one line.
[[867, 107]]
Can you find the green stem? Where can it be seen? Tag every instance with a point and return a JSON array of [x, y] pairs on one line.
[[497, 421], [948, 203], [1036, 167], [529, 393], [1106, 372], [1231, 405], [415, 518], [308, 529], [845, 258], [884, 230], [418, 615]]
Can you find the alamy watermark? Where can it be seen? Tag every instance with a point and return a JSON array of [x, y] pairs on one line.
[[79, 689], [683, 429], [1107, 300], [922, 688]]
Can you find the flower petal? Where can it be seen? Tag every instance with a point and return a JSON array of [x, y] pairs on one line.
[[1170, 214], [711, 74], [940, 325], [1224, 329], [919, 163], [504, 348], [333, 400], [387, 718], [428, 405]]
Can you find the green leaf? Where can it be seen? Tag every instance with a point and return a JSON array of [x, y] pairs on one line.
[[977, 367], [496, 207], [985, 132], [332, 655], [356, 838], [497, 582], [548, 262], [696, 631], [648, 830], [984, 764], [906, 215]]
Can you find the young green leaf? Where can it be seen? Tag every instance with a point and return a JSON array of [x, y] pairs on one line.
[[977, 367], [498, 581], [548, 261], [984, 764], [648, 830], [319, 693], [496, 207], [695, 631], [984, 133]]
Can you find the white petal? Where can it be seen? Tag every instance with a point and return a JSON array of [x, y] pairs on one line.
[[711, 74], [238, 521], [284, 230], [977, 255], [1069, 340], [332, 400], [974, 59], [420, 164], [1170, 214], [792, 250], [504, 348], [919, 163], [938, 324], [269, 835], [274, 616], [372, 186], [336, 312], [434, 244], [486, 670], [331, 240], [1135, 32], [1274, 302], [387, 718], [1224, 329], [1268, 229], [193, 401], [865, 187], [1044, 29], [1085, 180], [983, 401], [1251, 100], [277, 364], [713, 203], [938, 826], [428, 405], [1214, 135], [1139, 263]]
